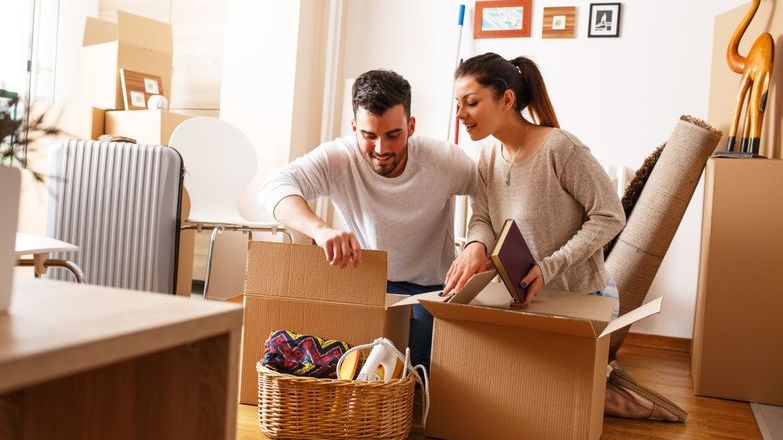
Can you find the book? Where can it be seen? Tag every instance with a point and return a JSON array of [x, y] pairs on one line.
[[512, 258]]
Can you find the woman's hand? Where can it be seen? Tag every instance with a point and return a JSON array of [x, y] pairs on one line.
[[471, 261], [533, 282]]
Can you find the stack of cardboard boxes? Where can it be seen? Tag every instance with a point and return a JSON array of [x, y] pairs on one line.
[[134, 43]]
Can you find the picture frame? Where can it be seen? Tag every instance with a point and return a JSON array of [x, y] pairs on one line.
[[559, 22], [502, 19], [604, 20], [137, 87]]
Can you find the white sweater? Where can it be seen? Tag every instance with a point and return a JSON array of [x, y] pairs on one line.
[[410, 216]]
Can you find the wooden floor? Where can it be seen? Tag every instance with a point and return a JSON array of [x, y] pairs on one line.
[[664, 369]]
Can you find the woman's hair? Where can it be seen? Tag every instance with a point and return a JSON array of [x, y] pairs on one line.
[[379, 90], [521, 75]]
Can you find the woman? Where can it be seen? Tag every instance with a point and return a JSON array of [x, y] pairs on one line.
[[539, 175]]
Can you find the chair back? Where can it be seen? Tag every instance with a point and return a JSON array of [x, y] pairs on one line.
[[220, 164], [120, 203]]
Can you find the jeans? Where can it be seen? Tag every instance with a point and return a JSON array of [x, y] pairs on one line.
[[420, 338], [611, 291]]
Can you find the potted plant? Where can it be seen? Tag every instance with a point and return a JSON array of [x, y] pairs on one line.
[[14, 139]]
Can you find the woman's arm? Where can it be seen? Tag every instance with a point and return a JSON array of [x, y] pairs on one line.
[[584, 178]]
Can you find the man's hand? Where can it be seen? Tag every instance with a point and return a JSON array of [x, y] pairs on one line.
[[341, 247], [472, 261], [533, 281]]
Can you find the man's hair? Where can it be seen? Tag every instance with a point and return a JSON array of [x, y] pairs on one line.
[[379, 90]]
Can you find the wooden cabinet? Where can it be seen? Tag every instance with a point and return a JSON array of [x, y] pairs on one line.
[[81, 361]]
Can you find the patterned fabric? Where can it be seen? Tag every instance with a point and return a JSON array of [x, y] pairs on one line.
[[303, 355]]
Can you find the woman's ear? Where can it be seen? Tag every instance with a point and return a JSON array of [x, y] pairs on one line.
[[508, 99]]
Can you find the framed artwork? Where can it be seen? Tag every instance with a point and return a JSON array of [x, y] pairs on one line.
[[604, 20], [137, 88], [559, 22], [502, 19]]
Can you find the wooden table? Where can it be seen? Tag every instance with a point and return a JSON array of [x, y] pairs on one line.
[[80, 361], [40, 247]]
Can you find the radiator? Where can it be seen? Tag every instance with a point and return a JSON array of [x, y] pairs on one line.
[[120, 203]]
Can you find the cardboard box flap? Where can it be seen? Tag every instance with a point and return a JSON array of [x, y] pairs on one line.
[[597, 309], [301, 271], [634, 315], [143, 32], [469, 291], [433, 296], [512, 318], [98, 31]]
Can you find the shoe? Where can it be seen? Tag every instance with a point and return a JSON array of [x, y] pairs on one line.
[[626, 398]]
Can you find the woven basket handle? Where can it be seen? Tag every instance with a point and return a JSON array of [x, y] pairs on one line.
[[420, 377]]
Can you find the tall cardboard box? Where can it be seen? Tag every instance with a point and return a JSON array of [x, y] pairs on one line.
[[737, 349], [134, 43], [292, 287], [538, 373], [145, 126]]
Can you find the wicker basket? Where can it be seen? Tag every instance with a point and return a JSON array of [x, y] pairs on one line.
[[304, 408]]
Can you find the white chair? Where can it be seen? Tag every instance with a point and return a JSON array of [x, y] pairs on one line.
[[220, 166]]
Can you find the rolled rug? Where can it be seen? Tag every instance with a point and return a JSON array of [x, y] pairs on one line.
[[641, 245]]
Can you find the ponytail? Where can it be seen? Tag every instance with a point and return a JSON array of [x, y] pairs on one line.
[[533, 93], [521, 75]]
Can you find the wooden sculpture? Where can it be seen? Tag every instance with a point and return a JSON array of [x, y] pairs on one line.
[[756, 70]]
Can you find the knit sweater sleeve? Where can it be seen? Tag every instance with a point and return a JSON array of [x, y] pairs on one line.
[[480, 225], [308, 176], [584, 178]]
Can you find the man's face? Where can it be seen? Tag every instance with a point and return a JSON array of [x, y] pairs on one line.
[[383, 140]]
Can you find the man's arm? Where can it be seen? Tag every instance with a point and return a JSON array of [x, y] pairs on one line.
[[340, 247]]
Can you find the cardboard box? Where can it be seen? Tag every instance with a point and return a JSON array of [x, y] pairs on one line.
[[145, 126], [737, 332], [504, 373], [292, 287], [135, 43]]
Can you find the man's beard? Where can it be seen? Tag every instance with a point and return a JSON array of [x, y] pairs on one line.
[[391, 164]]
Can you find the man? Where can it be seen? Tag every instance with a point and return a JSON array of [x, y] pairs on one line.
[[391, 191]]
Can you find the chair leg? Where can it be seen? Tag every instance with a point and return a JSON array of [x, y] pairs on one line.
[[218, 229], [72, 267]]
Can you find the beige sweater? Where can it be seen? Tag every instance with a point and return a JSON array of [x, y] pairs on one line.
[[562, 201]]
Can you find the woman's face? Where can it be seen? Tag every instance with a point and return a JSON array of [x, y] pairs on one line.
[[477, 107]]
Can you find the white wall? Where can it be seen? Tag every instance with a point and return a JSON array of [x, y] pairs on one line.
[[621, 96], [70, 32]]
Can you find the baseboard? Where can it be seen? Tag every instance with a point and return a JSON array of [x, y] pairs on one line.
[[659, 342]]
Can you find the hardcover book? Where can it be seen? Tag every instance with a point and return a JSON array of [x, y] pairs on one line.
[[512, 258]]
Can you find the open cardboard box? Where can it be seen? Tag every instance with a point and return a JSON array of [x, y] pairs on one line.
[[144, 126], [538, 372], [292, 287], [135, 43]]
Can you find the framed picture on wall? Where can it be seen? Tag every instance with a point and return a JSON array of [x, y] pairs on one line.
[[502, 19], [137, 87], [604, 20], [559, 22]]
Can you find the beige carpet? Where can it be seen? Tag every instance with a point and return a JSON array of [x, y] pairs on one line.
[[770, 420]]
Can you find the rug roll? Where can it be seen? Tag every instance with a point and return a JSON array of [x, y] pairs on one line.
[[635, 259]]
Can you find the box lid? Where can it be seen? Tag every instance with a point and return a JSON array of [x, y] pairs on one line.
[[553, 311], [301, 271], [130, 29]]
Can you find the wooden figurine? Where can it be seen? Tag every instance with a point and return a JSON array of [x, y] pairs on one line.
[[756, 70]]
